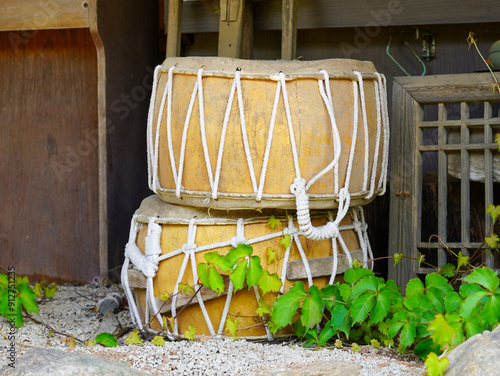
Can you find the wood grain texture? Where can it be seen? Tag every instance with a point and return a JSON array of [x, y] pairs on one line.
[[43, 14], [49, 212], [199, 17]]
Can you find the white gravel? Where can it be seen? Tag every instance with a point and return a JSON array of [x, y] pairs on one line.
[[72, 311]]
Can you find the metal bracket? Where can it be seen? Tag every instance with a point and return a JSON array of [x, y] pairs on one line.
[[428, 45]]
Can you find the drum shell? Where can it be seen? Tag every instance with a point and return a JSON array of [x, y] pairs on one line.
[[311, 126], [243, 302]]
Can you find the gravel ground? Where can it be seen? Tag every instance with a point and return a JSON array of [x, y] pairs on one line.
[[72, 311]]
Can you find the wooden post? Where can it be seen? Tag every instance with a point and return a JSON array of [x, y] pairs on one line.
[[247, 33], [231, 27], [289, 30], [174, 28]]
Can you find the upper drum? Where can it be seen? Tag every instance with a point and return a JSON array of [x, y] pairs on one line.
[[235, 134]]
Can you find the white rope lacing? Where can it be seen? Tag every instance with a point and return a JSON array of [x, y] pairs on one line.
[[143, 262], [258, 189]]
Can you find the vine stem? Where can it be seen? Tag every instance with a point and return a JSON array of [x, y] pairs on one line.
[[64, 334]]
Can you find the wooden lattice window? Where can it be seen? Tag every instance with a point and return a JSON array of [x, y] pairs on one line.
[[445, 168]]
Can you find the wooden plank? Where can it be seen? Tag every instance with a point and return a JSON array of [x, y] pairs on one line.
[[289, 29], [321, 266], [442, 185], [43, 14], [49, 208], [488, 177], [174, 24], [231, 28], [370, 16], [439, 88], [465, 179]]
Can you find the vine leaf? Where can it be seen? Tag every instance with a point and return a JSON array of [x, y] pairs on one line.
[[158, 341], [189, 334], [420, 259], [286, 305], [464, 260], [273, 222], [436, 366], [492, 209], [443, 332], [492, 241], [263, 309], [27, 297], [286, 241], [241, 251], [254, 271], [165, 296], [312, 308], [269, 282], [215, 280], [271, 255], [106, 339], [340, 319], [186, 289], [484, 277], [232, 326], [133, 338], [238, 275], [90, 343], [220, 261], [397, 258]]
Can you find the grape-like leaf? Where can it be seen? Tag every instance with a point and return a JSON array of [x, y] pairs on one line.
[[414, 287], [271, 255], [133, 338], [375, 343], [189, 334], [463, 260], [361, 306], [238, 275], [285, 307], [345, 291], [351, 276], [485, 277], [397, 258], [273, 222], [443, 332], [165, 296], [452, 301], [106, 339], [369, 283], [203, 274], [469, 305], [408, 334], [447, 270], [254, 271], [338, 343], [186, 289], [340, 319], [356, 264], [381, 306], [235, 254], [232, 326], [286, 241], [434, 365], [49, 291], [355, 347], [492, 241], [90, 343], [158, 341], [492, 209], [220, 261], [269, 282], [327, 333], [439, 282], [312, 308], [420, 259], [263, 309], [27, 297], [215, 280]]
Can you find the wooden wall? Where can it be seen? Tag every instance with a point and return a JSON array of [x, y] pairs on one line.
[[49, 154]]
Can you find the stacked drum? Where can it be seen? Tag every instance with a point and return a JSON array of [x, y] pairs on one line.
[[230, 144]]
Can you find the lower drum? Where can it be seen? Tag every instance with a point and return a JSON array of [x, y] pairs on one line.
[[167, 243]]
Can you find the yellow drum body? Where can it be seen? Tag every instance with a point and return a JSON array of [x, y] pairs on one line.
[[210, 148], [189, 232]]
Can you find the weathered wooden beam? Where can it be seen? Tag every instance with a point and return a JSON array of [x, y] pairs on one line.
[[43, 14], [174, 25], [289, 29], [321, 266], [231, 27]]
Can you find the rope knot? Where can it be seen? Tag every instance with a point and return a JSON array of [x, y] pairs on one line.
[[238, 240], [186, 248], [298, 186]]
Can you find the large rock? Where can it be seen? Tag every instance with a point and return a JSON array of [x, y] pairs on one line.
[[478, 356], [43, 362]]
